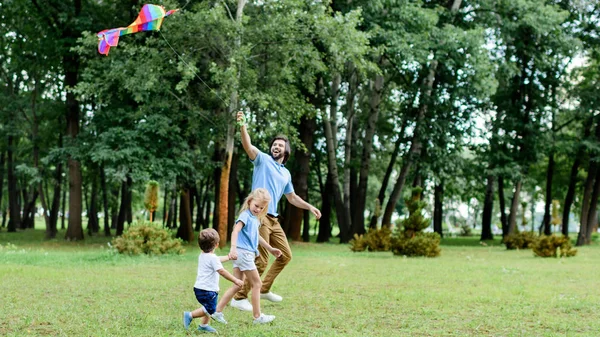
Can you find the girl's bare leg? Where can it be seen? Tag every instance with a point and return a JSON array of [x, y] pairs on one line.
[[255, 283], [231, 291]]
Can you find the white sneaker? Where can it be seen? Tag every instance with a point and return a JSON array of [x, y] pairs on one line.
[[262, 319], [219, 317], [243, 305], [271, 297]]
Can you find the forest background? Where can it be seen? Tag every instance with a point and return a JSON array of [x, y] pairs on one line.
[[491, 106]]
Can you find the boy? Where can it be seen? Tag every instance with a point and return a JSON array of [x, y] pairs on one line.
[[206, 287]]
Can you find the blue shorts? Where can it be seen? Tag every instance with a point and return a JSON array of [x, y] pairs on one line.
[[208, 299]]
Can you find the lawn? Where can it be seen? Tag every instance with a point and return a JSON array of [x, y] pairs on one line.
[[84, 289]]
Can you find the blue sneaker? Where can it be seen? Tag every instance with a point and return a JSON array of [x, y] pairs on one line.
[[187, 319], [207, 328]]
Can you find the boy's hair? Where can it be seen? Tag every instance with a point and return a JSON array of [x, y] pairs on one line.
[[260, 195], [207, 239], [288, 149]]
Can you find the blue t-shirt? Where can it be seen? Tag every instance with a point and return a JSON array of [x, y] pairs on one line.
[[273, 177], [248, 236]]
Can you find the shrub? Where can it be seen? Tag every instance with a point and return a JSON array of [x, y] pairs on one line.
[[379, 240], [422, 244], [144, 238], [410, 240], [376, 240], [553, 246], [466, 230], [520, 240], [358, 244]]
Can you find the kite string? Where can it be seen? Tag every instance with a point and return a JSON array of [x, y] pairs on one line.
[[192, 70]]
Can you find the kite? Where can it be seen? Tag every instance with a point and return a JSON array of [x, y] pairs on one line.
[[150, 18]]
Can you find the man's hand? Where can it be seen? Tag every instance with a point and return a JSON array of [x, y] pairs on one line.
[[316, 212], [241, 119]]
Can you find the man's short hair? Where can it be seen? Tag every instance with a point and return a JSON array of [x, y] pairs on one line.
[[207, 239]]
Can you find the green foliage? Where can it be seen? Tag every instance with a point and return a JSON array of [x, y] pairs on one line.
[[358, 244], [145, 238], [553, 246], [466, 230], [415, 222], [151, 196], [520, 240], [376, 240], [410, 240], [422, 244]]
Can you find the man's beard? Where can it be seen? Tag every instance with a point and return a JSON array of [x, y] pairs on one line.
[[277, 156]]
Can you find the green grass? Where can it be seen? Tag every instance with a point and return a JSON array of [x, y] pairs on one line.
[[63, 288]]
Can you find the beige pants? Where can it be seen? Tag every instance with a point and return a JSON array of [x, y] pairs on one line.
[[271, 231]]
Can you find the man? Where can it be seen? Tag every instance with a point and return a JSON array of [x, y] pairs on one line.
[[271, 174]]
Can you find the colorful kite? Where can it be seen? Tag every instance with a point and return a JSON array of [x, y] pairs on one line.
[[150, 18]]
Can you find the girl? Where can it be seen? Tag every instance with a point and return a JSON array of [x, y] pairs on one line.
[[244, 249]]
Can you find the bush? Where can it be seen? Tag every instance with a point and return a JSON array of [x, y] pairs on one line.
[[466, 230], [553, 246], [422, 244], [358, 244], [410, 240], [520, 240], [376, 240], [144, 238]]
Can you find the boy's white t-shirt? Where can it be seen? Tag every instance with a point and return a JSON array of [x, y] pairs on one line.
[[208, 277]]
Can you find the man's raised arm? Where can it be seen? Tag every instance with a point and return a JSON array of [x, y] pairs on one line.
[[250, 149]]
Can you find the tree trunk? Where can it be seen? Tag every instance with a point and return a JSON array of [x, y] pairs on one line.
[[570, 196], [584, 235], [361, 192], [63, 207], [573, 179], [325, 221], [122, 209], [166, 207], [105, 202], [233, 185], [592, 214], [502, 202], [185, 230], [225, 170], [438, 210], [307, 129], [415, 147], [93, 223], [514, 208], [546, 225], [333, 171], [2, 162], [199, 204], [586, 203], [350, 113], [218, 156], [175, 217], [14, 220], [128, 209], [71, 68], [488, 209], [114, 206], [388, 173], [207, 207]]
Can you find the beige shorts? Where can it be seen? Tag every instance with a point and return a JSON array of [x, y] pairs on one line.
[[245, 260]]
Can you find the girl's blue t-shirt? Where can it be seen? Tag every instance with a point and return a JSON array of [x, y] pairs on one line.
[[248, 236]]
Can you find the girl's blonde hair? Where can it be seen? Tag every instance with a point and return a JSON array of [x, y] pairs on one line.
[[261, 195]]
